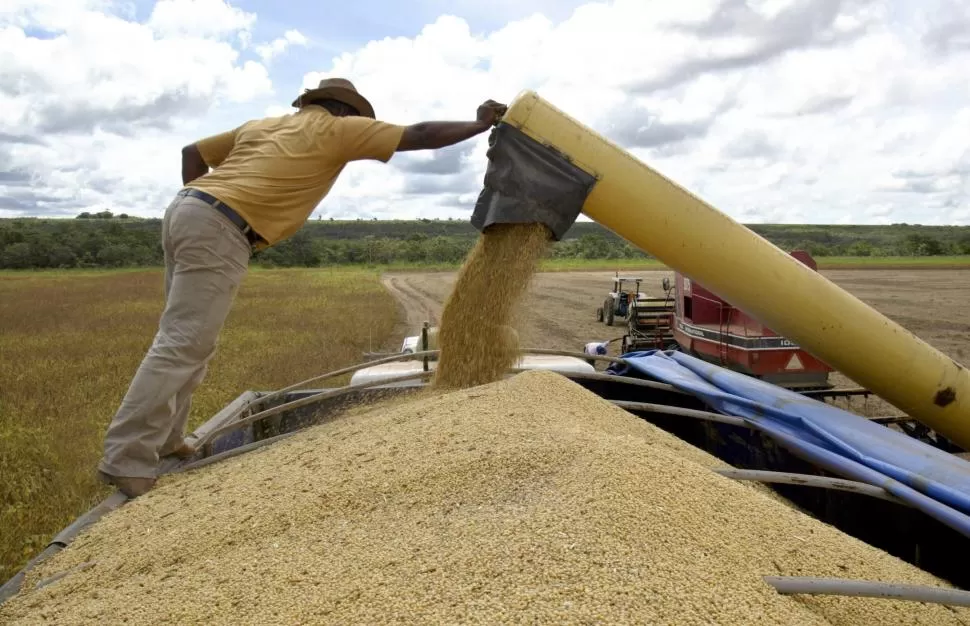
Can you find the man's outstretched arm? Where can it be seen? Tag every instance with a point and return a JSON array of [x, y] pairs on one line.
[[434, 135]]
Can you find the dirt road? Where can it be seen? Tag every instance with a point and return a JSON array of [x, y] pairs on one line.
[[560, 311]]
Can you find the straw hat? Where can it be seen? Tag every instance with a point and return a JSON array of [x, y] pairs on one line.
[[339, 89]]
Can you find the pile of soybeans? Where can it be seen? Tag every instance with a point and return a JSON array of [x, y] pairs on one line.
[[528, 500]]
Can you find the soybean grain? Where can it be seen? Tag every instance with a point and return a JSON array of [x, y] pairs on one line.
[[477, 339], [529, 500]]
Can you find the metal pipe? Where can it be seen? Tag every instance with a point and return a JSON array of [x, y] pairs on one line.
[[62, 540], [676, 410], [12, 586], [578, 355], [202, 435], [406, 357], [810, 480], [346, 370], [106, 506], [760, 475], [112, 502], [333, 393], [837, 393], [58, 576], [837, 464], [639, 204], [228, 413], [424, 374], [228, 454], [347, 389], [789, 585], [626, 380], [323, 395], [424, 345]]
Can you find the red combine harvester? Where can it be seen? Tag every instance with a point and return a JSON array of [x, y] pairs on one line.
[[698, 322]]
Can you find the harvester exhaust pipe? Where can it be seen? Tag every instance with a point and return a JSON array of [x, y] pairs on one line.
[[547, 167], [527, 182]]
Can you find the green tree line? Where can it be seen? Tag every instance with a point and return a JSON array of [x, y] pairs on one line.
[[101, 240]]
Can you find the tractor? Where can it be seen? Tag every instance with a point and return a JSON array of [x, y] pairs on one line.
[[648, 320], [618, 302]]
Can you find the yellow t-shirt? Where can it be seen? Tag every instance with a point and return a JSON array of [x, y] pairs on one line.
[[275, 171]]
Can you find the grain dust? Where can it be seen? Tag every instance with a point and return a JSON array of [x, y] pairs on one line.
[[477, 339], [529, 500]]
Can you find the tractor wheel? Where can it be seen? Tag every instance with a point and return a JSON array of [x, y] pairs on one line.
[[609, 317], [599, 314]]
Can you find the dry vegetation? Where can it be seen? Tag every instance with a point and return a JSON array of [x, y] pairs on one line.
[[70, 342]]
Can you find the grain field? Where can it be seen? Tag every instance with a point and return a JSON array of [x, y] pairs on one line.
[[70, 342]]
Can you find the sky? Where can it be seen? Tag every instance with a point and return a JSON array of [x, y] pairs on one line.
[[773, 111]]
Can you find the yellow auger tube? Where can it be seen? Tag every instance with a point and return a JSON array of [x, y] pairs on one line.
[[688, 235]]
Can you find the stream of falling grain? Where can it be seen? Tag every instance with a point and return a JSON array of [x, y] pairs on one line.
[[477, 339]]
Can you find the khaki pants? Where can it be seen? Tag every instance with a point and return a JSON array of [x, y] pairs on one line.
[[206, 258]]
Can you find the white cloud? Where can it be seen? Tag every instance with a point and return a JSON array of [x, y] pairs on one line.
[[781, 112], [772, 110], [199, 18], [279, 45], [53, 14], [86, 104]]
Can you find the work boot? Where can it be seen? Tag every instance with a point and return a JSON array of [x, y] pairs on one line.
[[185, 450], [131, 486]]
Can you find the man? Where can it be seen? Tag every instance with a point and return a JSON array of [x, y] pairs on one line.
[[596, 348], [268, 176]]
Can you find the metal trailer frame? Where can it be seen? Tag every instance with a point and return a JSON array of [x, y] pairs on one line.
[[650, 325], [256, 419]]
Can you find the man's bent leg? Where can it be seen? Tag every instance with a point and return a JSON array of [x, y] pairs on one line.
[[210, 259]]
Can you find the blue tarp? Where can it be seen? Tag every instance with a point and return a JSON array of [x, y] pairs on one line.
[[927, 478]]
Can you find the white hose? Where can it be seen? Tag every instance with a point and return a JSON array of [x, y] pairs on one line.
[[790, 585], [810, 480], [676, 410]]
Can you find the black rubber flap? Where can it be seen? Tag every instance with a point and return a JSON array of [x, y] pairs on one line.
[[527, 182]]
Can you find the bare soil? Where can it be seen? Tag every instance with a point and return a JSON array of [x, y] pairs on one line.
[[560, 310]]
